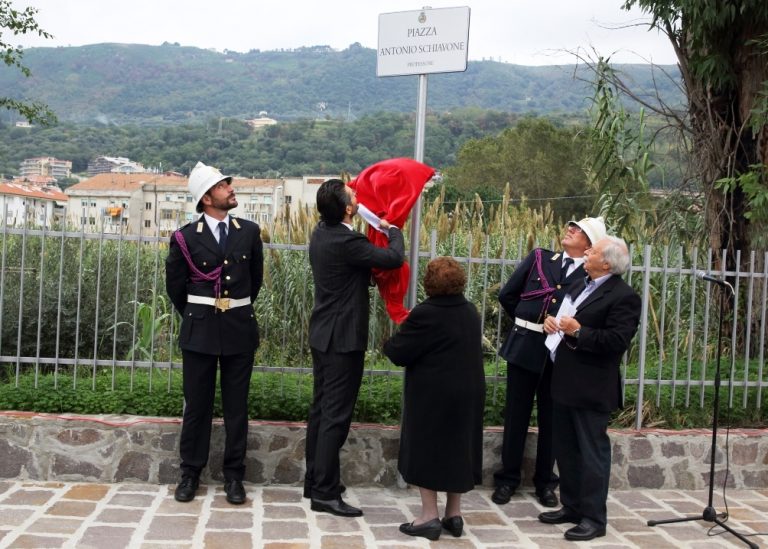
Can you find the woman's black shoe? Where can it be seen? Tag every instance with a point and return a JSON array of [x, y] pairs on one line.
[[430, 530], [455, 525]]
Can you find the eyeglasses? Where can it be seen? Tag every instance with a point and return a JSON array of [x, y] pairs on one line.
[[575, 228]]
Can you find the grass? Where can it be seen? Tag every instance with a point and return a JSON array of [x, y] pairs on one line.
[[287, 396]]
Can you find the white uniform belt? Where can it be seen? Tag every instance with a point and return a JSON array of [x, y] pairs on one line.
[[530, 325], [221, 303]]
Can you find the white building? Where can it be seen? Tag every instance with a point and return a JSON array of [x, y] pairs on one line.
[[31, 205], [157, 204], [46, 166]]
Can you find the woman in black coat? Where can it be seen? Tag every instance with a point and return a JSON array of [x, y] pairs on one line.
[[441, 441]]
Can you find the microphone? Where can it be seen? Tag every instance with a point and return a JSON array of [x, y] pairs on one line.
[[701, 275]]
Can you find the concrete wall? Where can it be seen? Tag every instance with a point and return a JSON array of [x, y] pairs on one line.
[[139, 449]]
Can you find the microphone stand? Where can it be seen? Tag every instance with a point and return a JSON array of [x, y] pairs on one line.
[[710, 514]]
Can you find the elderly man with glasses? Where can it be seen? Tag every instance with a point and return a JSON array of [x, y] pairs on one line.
[[533, 292]]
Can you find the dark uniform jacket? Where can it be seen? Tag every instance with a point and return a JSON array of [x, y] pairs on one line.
[[586, 372], [341, 262], [523, 347], [203, 328]]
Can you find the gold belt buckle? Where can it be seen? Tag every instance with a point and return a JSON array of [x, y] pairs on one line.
[[222, 303]]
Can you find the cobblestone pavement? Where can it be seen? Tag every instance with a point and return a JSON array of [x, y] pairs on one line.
[[113, 516]]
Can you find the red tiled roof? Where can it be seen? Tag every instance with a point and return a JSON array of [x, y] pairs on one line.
[[133, 181], [32, 191]]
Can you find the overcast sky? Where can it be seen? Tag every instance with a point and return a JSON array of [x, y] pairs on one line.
[[526, 32]]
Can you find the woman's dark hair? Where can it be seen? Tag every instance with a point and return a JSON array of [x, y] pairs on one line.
[[444, 276], [332, 201]]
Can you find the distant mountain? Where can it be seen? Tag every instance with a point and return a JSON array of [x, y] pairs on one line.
[[171, 84]]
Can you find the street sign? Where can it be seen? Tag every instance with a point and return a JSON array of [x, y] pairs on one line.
[[423, 41]]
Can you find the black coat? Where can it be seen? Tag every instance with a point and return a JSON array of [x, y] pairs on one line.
[[441, 442], [341, 262], [203, 328], [586, 372], [523, 347]]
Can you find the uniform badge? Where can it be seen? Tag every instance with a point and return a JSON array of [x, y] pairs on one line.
[[554, 257], [235, 223], [199, 227]]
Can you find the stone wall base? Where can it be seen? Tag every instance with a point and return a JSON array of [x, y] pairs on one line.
[[140, 449]]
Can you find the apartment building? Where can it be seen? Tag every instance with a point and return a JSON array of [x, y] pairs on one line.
[[108, 164], [45, 166], [157, 204], [28, 205]]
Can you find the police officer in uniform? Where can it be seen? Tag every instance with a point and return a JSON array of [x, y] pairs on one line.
[[214, 272], [534, 291]]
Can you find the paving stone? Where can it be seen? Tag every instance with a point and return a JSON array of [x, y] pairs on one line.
[[330, 523], [151, 488], [132, 500], [227, 540], [230, 520], [176, 545], [27, 541], [5, 486], [626, 524], [285, 545], [284, 530], [281, 495], [100, 537], [28, 497], [220, 502], [636, 500], [90, 492], [386, 532], [493, 535], [284, 512], [120, 516], [480, 518], [171, 528], [385, 515], [170, 506], [519, 509], [72, 508], [48, 525], [10, 516], [342, 542], [537, 527]]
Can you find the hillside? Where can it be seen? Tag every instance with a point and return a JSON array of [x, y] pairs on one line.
[[171, 84]]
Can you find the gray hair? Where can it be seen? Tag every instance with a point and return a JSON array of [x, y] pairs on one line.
[[616, 254]]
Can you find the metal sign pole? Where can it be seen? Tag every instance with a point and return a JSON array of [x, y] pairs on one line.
[[421, 123]]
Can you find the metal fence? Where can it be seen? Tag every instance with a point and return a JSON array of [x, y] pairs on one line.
[[71, 298]]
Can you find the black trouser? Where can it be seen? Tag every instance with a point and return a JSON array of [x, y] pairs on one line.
[[337, 378], [583, 452], [522, 386], [199, 390]]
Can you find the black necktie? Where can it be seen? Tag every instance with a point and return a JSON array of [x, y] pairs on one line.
[[222, 236], [566, 264]]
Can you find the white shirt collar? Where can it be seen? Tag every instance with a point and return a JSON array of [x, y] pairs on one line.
[[213, 224]]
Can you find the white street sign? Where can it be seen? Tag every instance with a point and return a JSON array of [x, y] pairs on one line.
[[423, 41]]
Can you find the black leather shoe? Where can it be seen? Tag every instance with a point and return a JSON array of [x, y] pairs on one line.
[[547, 497], [584, 531], [430, 530], [336, 507], [502, 494], [455, 525], [235, 492], [560, 516], [185, 490]]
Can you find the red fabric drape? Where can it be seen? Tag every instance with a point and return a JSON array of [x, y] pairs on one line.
[[389, 189]]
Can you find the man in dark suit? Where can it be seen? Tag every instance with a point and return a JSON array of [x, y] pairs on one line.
[[534, 291], [213, 275], [591, 333], [341, 260]]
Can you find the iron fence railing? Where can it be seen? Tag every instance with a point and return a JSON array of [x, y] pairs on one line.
[[71, 297]]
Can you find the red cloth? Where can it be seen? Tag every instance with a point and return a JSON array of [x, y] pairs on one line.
[[389, 189]]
